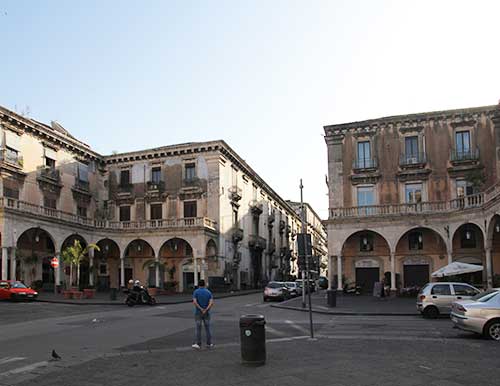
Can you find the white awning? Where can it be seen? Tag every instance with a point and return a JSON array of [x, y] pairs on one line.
[[457, 268]]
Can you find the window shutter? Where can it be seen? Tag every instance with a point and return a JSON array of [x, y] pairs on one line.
[[13, 140], [50, 153]]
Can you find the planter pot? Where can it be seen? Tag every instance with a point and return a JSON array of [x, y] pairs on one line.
[[77, 294], [89, 293], [68, 294], [153, 291]]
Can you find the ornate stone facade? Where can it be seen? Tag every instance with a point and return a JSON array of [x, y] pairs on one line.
[[410, 194]]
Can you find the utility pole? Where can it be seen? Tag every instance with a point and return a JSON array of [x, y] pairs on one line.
[[307, 258]]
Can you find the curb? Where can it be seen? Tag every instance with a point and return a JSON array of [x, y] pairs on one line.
[[345, 312], [121, 303]]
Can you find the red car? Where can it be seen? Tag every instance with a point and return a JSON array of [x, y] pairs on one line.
[[15, 290]]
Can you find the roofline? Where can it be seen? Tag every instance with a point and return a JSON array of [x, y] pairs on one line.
[[442, 114]]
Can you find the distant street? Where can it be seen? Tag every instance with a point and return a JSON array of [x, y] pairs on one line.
[[111, 345]]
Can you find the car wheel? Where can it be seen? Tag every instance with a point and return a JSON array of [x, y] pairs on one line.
[[492, 330], [265, 299], [430, 312]]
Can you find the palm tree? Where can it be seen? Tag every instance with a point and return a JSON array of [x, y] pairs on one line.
[[74, 255]]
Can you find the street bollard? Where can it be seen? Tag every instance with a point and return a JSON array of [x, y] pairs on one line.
[[253, 339], [112, 293], [331, 295]]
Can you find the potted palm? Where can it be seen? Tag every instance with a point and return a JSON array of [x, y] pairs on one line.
[[73, 256]]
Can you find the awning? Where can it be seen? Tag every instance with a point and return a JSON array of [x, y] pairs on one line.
[[457, 268]]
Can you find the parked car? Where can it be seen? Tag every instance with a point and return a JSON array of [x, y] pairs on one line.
[[276, 290], [436, 298], [293, 288], [15, 290], [480, 315], [312, 284]]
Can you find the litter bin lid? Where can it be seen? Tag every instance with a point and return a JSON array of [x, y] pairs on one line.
[[248, 320]]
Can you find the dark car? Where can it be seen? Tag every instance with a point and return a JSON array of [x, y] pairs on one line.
[[15, 290]]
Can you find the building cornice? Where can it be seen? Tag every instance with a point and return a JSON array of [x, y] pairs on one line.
[[409, 122]]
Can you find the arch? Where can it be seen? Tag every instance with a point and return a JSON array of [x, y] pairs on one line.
[[403, 236], [107, 263], [70, 240], [176, 248], [34, 249], [211, 249], [108, 249], [138, 248], [362, 232], [474, 231], [494, 244], [350, 235], [176, 254]]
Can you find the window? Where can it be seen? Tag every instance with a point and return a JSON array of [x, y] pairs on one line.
[[235, 217], [190, 209], [464, 290], [11, 155], [83, 172], [50, 163], [190, 171], [10, 192], [441, 289], [462, 142], [464, 188], [365, 196], [415, 241], [125, 177], [156, 211], [156, 175], [49, 202], [366, 243], [125, 213], [364, 155], [411, 149], [413, 193], [81, 211], [468, 238]]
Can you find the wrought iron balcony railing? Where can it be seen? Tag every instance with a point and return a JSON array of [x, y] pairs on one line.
[[156, 186], [460, 155], [48, 173], [412, 159], [11, 158], [82, 185], [365, 163]]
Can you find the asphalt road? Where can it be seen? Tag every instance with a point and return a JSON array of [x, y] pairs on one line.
[[151, 345]]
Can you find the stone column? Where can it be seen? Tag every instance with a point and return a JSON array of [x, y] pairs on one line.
[[122, 272], [91, 265], [393, 272], [157, 272], [195, 269], [489, 274], [13, 264], [331, 272], [57, 279], [450, 257], [339, 273], [203, 270], [5, 257]]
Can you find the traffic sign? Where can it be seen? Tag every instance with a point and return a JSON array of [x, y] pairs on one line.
[[54, 262]]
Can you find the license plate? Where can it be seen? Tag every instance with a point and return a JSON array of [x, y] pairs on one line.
[[30, 296]]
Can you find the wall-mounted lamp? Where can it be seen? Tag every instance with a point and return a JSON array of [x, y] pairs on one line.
[[365, 241], [497, 228], [37, 238], [419, 238], [467, 235], [139, 248]]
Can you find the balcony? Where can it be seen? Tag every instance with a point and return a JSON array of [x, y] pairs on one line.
[[125, 188], [257, 242], [412, 160], [82, 186], [365, 164], [156, 186], [41, 212], [235, 193], [11, 158], [464, 156], [49, 179], [237, 235], [255, 208], [459, 204]]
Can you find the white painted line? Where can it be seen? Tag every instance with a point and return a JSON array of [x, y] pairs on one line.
[[273, 331], [297, 327], [9, 360], [24, 369]]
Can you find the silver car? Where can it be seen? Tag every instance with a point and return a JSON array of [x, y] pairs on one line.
[[436, 298], [481, 315]]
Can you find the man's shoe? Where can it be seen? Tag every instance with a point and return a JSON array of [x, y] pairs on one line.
[[211, 345], [196, 346]]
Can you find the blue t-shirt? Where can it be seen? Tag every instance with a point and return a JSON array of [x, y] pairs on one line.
[[202, 296]]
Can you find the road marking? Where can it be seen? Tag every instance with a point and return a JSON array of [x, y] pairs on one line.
[[273, 331], [297, 327], [24, 369], [9, 360]]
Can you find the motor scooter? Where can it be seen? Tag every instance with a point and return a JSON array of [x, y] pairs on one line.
[[139, 295]]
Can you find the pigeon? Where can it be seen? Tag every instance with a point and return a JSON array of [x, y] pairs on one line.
[[55, 356]]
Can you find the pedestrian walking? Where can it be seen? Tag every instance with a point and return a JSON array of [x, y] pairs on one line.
[[203, 302]]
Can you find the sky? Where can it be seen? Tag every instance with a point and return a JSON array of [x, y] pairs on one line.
[[265, 76]]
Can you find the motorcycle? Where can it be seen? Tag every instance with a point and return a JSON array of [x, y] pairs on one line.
[[139, 295], [352, 289]]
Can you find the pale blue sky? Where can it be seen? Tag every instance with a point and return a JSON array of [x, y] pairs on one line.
[[265, 76]]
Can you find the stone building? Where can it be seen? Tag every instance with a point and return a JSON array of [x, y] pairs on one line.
[[410, 194], [317, 230], [166, 216]]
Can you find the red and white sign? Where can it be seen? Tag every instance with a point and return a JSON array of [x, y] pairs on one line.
[[54, 262]]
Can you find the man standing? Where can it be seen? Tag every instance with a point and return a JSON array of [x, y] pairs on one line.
[[203, 301]]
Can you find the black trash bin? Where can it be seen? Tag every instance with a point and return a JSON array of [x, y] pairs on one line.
[[331, 296], [112, 293], [253, 339]]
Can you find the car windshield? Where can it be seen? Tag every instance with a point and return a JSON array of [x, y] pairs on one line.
[[288, 284], [17, 284], [487, 297], [482, 294], [274, 284]]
